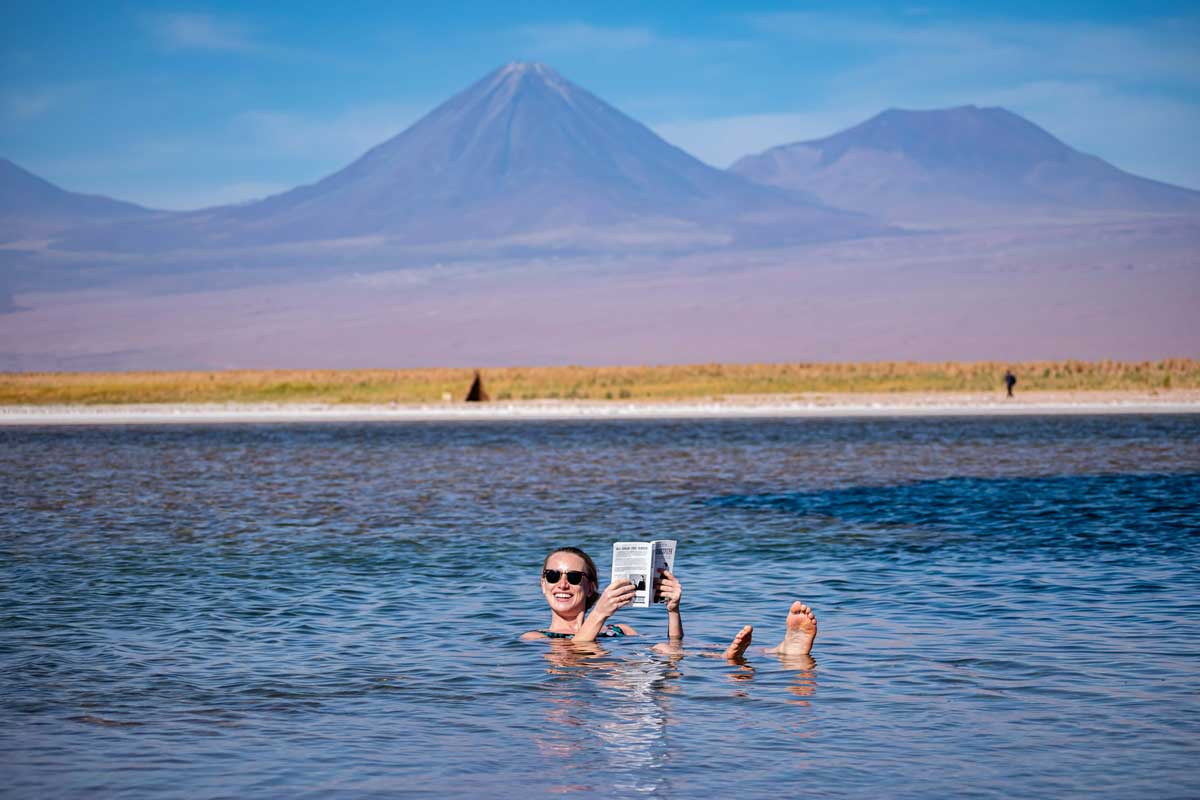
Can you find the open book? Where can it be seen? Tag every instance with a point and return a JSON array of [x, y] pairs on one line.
[[639, 563]]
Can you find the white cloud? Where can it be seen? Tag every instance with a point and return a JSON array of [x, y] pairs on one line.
[[188, 31]]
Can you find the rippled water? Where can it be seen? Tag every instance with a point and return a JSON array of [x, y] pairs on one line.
[[1008, 606]]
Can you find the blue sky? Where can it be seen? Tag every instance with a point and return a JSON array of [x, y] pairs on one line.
[[180, 106]]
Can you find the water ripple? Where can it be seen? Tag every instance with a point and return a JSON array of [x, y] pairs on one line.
[[1008, 606]]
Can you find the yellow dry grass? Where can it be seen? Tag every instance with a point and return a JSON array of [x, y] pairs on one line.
[[684, 382]]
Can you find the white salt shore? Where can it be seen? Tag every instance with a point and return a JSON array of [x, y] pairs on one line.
[[857, 405]]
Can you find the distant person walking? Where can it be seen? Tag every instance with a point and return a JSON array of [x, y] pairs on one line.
[[1010, 381]]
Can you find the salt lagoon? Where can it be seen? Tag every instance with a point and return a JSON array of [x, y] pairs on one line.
[[1007, 606]]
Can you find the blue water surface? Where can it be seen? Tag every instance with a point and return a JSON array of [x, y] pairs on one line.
[[1008, 607]]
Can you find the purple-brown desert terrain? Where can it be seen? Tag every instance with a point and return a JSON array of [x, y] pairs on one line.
[[526, 221]]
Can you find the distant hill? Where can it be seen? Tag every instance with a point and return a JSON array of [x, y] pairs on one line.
[[958, 164], [32, 208], [521, 155]]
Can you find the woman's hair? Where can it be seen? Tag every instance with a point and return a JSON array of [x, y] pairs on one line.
[[589, 568]]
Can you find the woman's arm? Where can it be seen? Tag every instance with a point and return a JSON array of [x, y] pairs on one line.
[[619, 593], [671, 590]]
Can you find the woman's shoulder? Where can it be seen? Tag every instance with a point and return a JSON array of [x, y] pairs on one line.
[[625, 629], [533, 635]]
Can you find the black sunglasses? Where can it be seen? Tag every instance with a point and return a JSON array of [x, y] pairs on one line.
[[574, 577]]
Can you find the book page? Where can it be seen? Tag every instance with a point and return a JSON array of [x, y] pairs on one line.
[[632, 561], [662, 557]]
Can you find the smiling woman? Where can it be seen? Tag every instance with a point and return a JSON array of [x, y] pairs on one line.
[[570, 585], [578, 611]]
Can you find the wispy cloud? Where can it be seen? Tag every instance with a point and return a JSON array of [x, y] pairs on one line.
[[28, 104], [575, 36], [20, 103], [1163, 49], [190, 31]]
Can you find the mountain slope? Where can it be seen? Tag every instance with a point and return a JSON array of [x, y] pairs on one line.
[[522, 151], [31, 207], [958, 163]]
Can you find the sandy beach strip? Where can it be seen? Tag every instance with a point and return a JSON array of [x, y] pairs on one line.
[[823, 405]]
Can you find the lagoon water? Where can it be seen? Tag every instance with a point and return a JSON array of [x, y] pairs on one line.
[[1008, 607]]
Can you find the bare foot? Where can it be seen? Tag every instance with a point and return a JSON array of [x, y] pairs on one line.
[[801, 630], [741, 640]]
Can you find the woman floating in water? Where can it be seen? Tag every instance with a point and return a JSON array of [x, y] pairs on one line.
[[579, 611]]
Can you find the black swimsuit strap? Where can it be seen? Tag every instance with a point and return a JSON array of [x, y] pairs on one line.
[[613, 630]]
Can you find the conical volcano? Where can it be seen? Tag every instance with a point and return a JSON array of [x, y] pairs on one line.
[[959, 163], [522, 151]]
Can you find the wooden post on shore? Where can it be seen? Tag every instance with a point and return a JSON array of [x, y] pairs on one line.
[[477, 393]]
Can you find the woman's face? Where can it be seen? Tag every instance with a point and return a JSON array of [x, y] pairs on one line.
[[565, 599]]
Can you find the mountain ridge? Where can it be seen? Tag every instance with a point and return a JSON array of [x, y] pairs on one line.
[[522, 151], [33, 207], [956, 163], [524, 161]]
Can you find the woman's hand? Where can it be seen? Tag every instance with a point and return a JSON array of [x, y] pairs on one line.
[[670, 590], [618, 594]]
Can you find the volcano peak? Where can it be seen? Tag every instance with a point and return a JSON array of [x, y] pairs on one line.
[[521, 152], [527, 67]]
